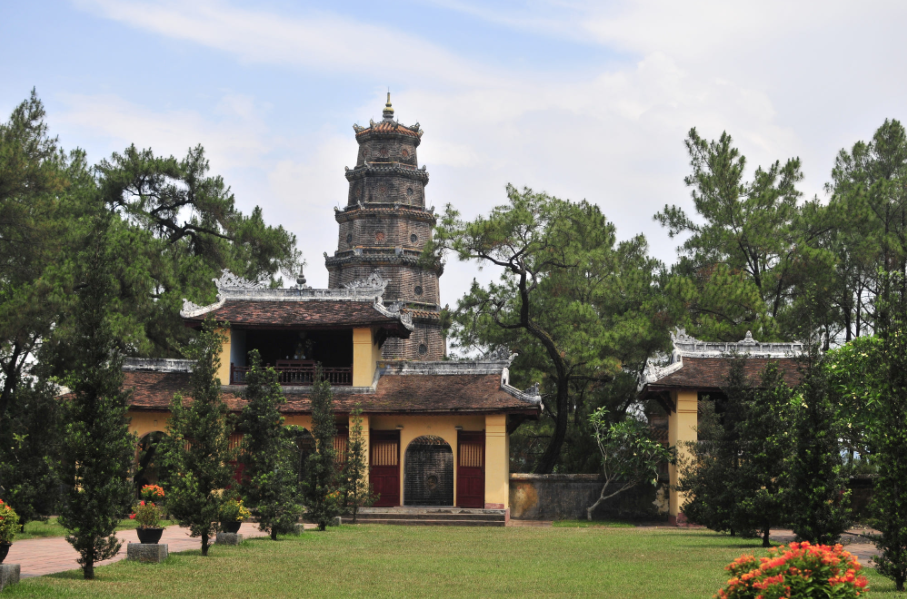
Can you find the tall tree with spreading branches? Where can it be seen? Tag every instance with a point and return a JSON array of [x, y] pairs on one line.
[[578, 306]]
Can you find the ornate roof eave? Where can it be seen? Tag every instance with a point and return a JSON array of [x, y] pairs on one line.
[[688, 346], [386, 169], [374, 259], [231, 287], [395, 310], [385, 209], [157, 365]]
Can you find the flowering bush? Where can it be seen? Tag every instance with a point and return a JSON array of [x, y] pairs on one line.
[[9, 523], [233, 511], [152, 493], [147, 514], [800, 570]]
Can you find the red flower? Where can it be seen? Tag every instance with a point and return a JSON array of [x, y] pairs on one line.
[[132, 516]]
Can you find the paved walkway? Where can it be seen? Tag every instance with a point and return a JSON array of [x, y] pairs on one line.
[[38, 557]]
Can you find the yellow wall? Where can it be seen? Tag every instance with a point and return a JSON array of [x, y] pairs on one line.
[[497, 462], [299, 420], [366, 354], [682, 426], [142, 423], [224, 371], [438, 426]]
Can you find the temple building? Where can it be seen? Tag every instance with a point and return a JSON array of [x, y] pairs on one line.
[[696, 372], [437, 430]]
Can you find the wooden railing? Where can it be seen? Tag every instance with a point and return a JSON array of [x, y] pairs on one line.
[[297, 374]]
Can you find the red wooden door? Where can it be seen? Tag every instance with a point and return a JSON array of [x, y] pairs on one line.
[[384, 467], [471, 469]]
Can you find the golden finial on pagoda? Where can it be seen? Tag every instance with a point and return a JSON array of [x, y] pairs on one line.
[[388, 109]]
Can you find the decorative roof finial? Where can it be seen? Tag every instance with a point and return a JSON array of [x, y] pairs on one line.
[[388, 109]]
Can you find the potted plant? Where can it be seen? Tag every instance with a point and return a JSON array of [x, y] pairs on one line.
[[232, 514], [148, 515], [9, 524]]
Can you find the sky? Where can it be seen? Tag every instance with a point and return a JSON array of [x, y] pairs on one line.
[[580, 99]]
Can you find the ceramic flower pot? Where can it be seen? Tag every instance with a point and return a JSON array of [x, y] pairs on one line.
[[149, 536], [230, 526], [4, 549]]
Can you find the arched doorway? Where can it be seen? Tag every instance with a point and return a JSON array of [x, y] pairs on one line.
[[428, 472], [148, 469]]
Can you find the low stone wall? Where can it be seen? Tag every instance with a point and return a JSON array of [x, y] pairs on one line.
[[566, 497]]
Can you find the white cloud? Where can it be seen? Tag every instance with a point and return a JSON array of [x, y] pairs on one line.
[[318, 41], [236, 138], [785, 79]]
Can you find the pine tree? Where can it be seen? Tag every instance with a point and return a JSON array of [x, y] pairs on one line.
[[888, 436], [97, 445], [197, 448], [766, 441], [356, 491], [320, 487], [268, 454], [817, 494]]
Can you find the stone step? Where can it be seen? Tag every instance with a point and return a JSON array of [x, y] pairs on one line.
[[444, 522], [431, 510], [473, 517]]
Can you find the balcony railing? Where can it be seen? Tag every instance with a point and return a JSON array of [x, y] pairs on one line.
[[297, 372]]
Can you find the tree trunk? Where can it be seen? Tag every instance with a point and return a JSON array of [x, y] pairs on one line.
[[273, 533], [548, 460], [765, 542], [205, 544], [88, 570]]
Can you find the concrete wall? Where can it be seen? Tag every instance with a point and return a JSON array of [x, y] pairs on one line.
[[566, 497]]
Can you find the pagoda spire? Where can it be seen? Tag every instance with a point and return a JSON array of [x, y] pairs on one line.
[[388, 109]]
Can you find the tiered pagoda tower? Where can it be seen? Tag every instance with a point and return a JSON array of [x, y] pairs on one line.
[[384, 227]]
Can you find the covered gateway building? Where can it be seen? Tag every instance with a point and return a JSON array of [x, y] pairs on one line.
[[437, 430]]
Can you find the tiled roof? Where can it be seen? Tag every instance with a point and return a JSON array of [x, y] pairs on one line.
[[307, 313], [387, 127], [411, 394], [711, 373]]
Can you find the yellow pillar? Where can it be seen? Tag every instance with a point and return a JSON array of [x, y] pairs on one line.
[[365, 357], [223, 373], [682, 424], [497, 462]]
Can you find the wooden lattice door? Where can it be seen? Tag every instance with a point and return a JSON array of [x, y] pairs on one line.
[[384, 467], [471, 469]]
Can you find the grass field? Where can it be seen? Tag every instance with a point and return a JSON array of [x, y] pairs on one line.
[[39, 530], [400, 561]]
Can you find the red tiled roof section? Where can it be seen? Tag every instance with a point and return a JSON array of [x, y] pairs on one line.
[[291, 313], [711, 373], [411, 394], [154, 390], [385, 127]]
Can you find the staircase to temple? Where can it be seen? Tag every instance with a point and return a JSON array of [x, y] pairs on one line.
[[431, 516]]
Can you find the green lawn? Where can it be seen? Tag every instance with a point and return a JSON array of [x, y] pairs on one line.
[[391, 561], [38, 530]]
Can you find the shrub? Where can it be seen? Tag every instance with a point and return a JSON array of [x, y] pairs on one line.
[[147, 514], [9, 523], [799, 570], [152, 493], [233, 510]]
